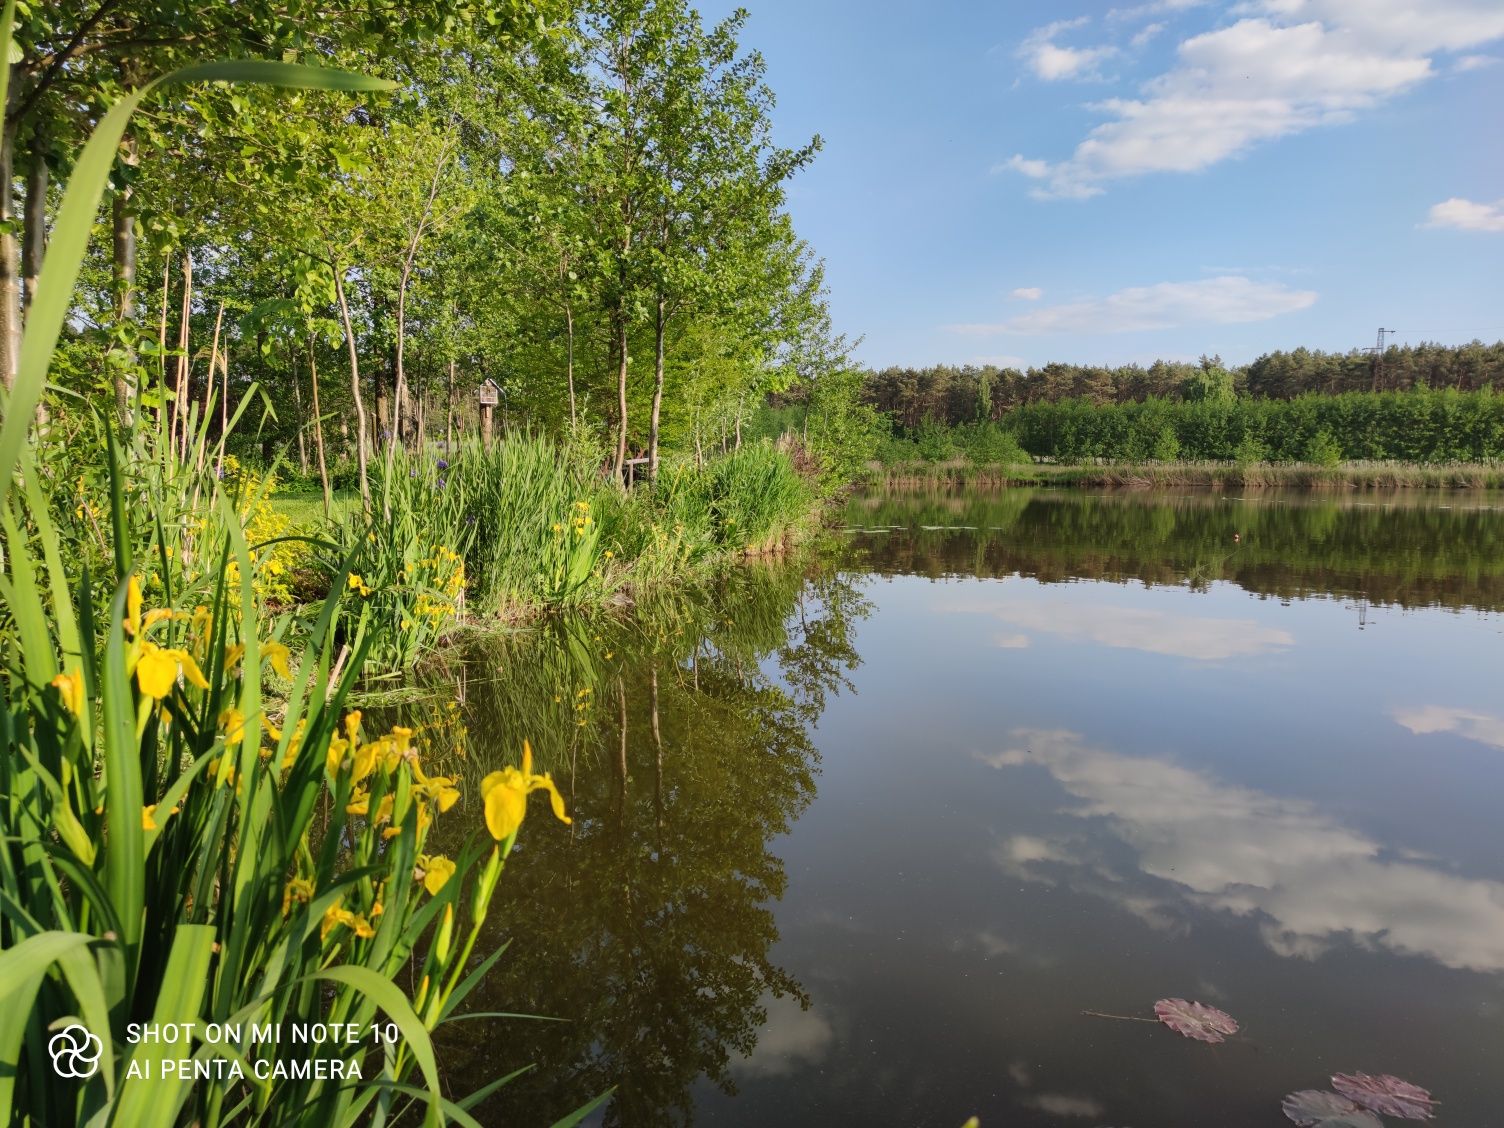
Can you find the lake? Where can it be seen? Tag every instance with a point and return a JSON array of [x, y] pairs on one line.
[[859, 835]]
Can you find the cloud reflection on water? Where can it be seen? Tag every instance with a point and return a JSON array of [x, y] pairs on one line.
[[1484, 728], [1156, 632], [1310, 882], [791, 1037]]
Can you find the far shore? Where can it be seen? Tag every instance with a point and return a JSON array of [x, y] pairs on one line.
[[1220, 475]]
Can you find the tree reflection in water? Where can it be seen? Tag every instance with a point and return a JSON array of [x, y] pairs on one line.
[[681, 739]]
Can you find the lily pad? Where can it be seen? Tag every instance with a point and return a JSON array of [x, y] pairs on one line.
[[1310, 1107], [1360, 1119], [1195, 1020], [1385, 1094]]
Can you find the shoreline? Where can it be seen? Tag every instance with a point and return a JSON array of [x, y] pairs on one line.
[[1206, 475]]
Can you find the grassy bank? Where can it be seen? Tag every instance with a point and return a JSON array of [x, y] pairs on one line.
[[530, 526], [1205, 475]]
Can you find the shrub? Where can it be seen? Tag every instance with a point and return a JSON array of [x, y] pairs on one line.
[[1322, 450], [934, 441], [987, 444]]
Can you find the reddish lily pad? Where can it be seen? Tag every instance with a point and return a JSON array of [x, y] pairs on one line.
[[1310, 1107], [1385, 1094], [1195, 1020]]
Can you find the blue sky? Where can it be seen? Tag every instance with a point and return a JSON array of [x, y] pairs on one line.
[[1023, 182]]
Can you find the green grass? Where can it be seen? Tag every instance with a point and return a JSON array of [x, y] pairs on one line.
[[306, 511]]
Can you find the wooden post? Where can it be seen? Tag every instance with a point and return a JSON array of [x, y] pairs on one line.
[[488, 395]]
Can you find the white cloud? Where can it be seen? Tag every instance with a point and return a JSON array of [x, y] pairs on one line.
[[1224, 300], [1308, 881], [1011, 641], [1027, 293], [1288, 66], [1400, 25], [1146, 33], [1485, 728], [1155, 8], [1474, 62], [1052, 62], [1467, 215], [1154, 632]]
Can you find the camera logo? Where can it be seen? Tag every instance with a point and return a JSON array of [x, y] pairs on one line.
[[75, 1052]]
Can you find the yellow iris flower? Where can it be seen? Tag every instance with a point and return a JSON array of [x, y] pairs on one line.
[[158, 667], [437, 870], [70, 688], [275, 653], [505, 793], [299, 889], [440, 790]]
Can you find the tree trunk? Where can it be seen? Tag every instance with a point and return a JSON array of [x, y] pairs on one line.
[[361, 450], [34, 222], [660, 324], [400, 406], [379, 378], [569, 361], [422, 413], [34, 239], [621, 394], [214, 362], [318, 428], [162, 333], [10, 261], [297, 399], [180, 383], [123, 223], [449, 416]]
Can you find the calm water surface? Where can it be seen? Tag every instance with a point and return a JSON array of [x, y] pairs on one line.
[[859, 836]]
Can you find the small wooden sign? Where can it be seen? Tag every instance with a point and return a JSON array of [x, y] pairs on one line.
[[488, 394]]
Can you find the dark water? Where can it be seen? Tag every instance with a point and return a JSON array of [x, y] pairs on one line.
[[859, 836]]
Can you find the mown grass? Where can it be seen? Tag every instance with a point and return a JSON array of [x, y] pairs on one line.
[[306, 511]]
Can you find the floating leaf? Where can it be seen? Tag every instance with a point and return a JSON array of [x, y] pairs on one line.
[[1311, 1106], [1318, 1108], [1196, 1020], [1385, 1094], [1358, 1119]]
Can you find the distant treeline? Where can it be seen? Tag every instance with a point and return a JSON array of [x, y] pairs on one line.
[[953, 395], [1418, 426]]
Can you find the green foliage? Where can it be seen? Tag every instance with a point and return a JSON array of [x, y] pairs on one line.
[[934, 441], [954, 394], [841, 431], [1419, 426], [895, 450], [537, 518], [987, 444], [1211, 384], [755, 498], [1321, 450]]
